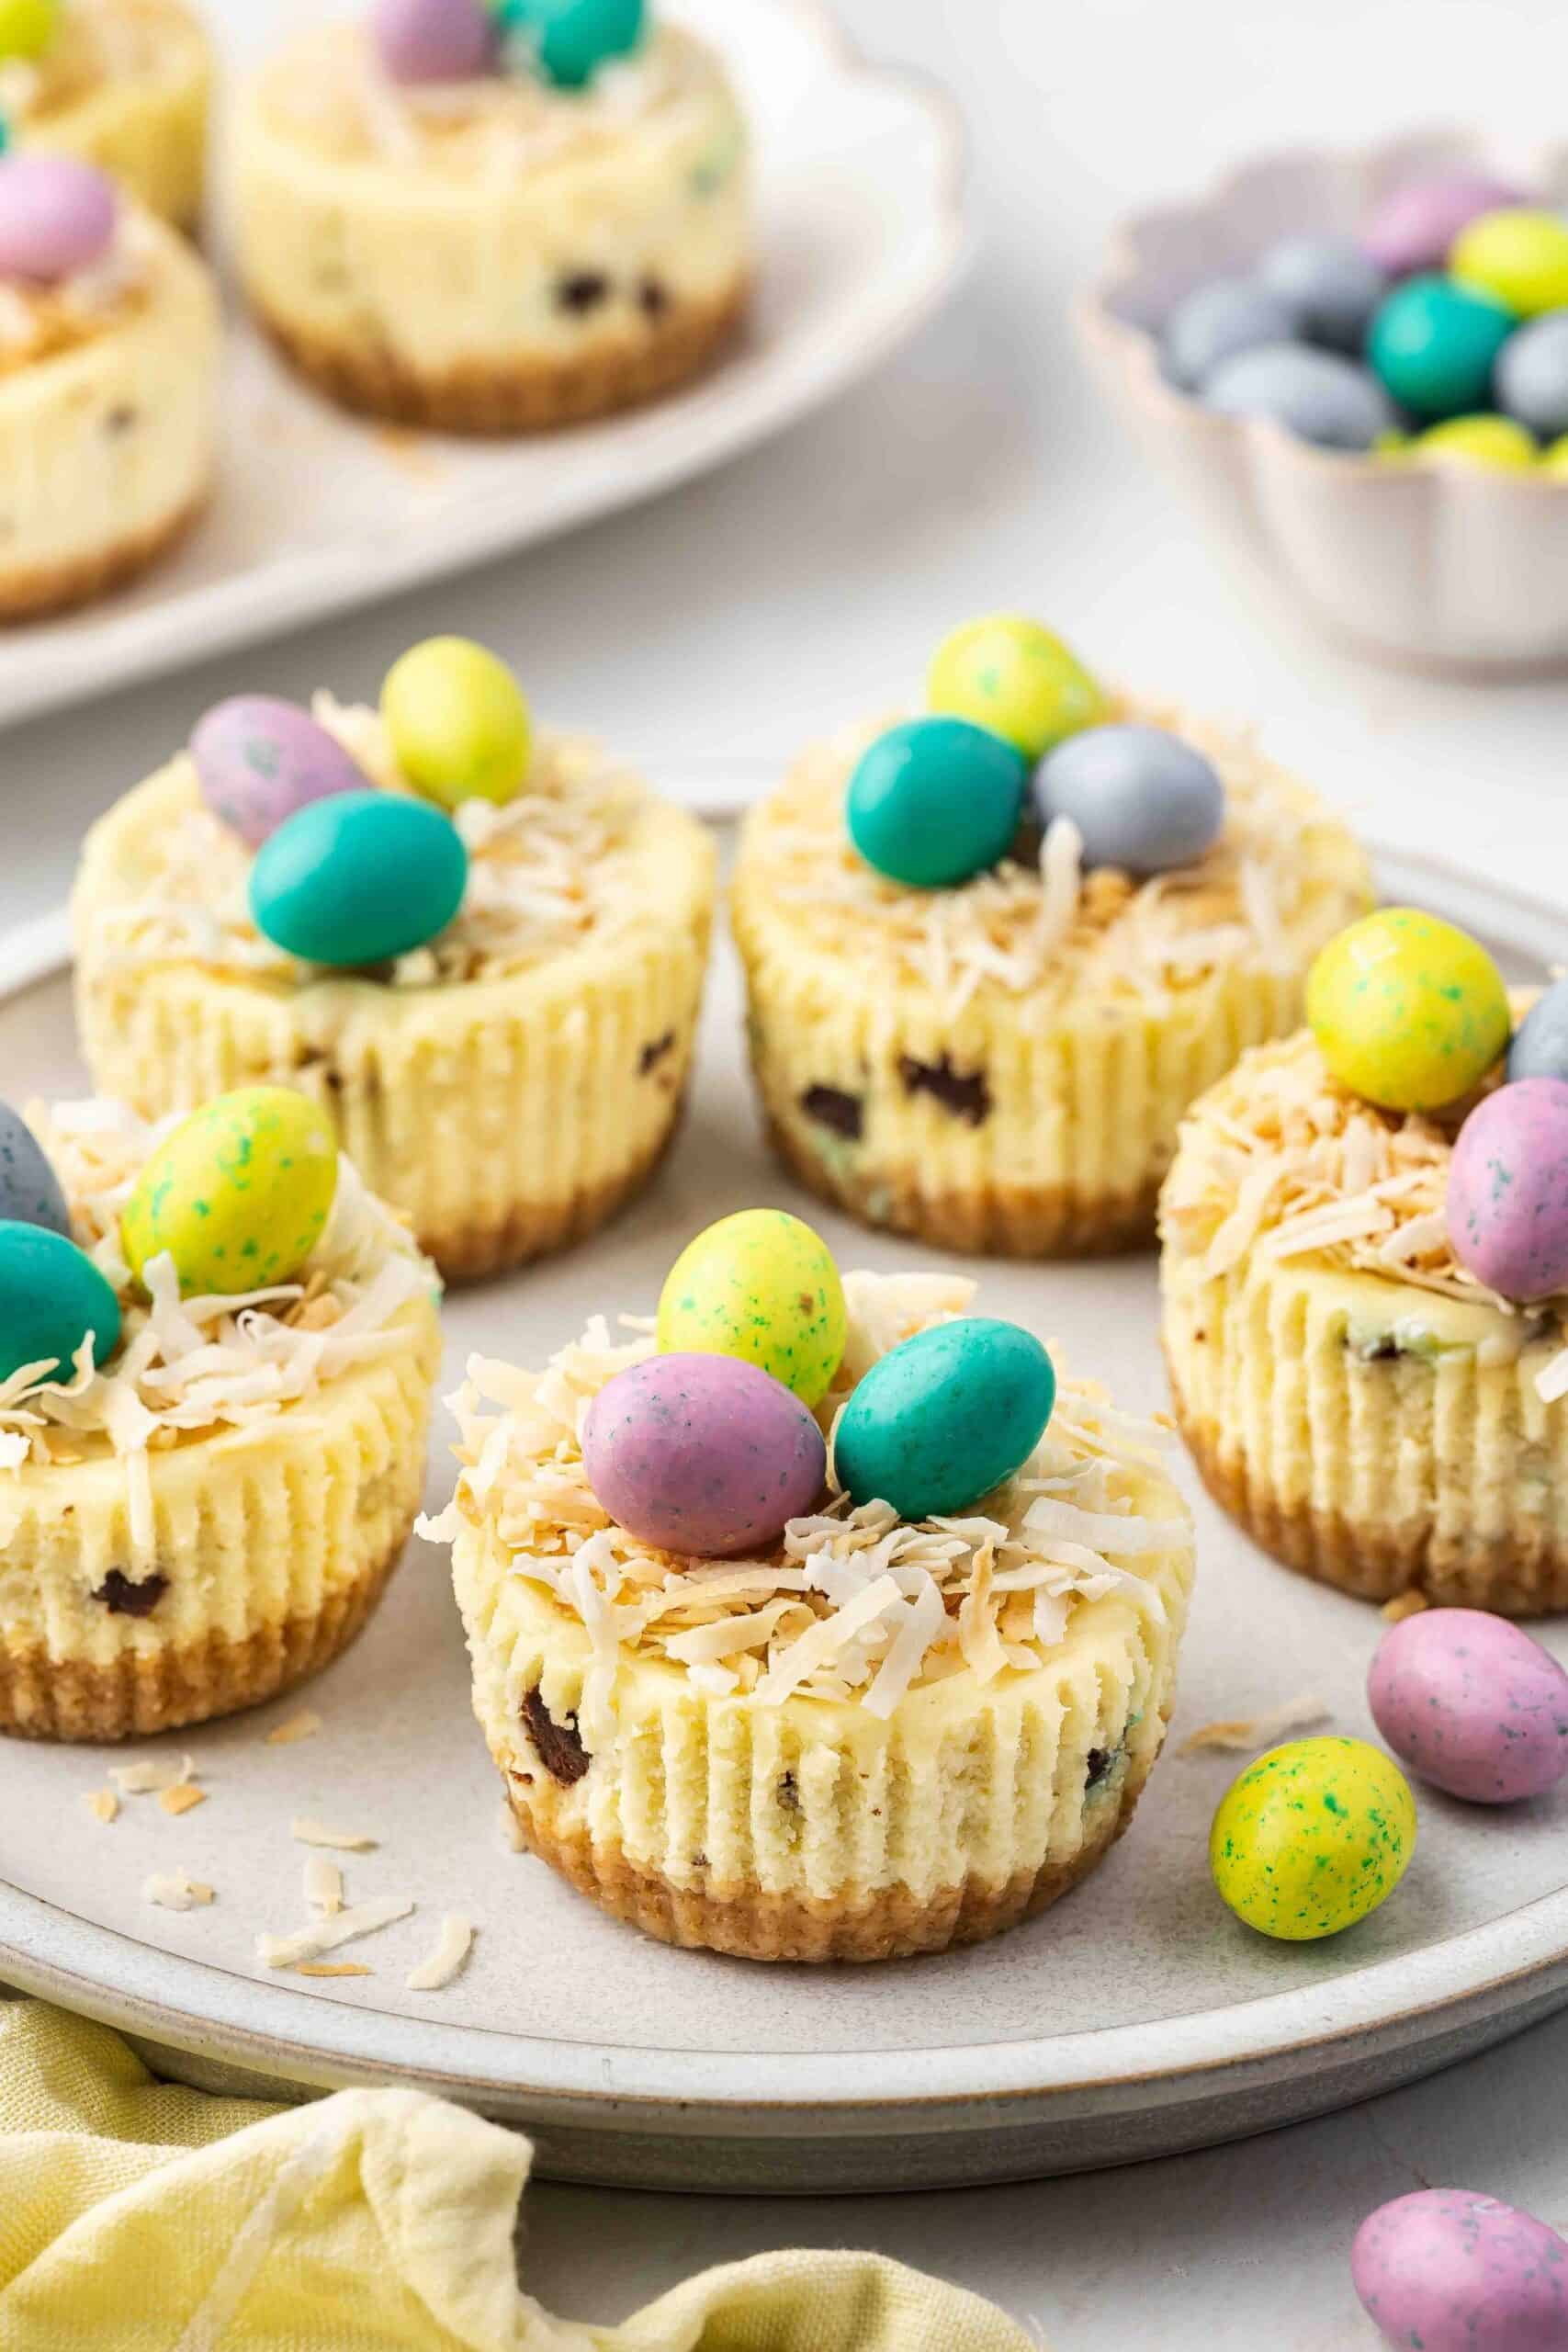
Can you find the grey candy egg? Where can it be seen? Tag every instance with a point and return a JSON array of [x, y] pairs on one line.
[[1217, 321], [29, 1189], [1316, 394], [1530, 376], [1329, 286], [1540, 1047], [1142, 799]]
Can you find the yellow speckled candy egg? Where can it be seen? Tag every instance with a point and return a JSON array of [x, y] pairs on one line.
[[760, 1286], [1311, 1837], [1408, 1011], [239, 1195]]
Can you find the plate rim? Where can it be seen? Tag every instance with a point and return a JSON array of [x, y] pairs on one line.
[[1504, 1963]]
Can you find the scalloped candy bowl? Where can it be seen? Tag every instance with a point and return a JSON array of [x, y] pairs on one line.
[[1451, 569]]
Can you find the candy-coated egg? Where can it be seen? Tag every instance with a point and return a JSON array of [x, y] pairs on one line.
[[1142, 799], [358, 879], [1507, 1194], [1016, 677], [27, 27], [1433, 345], [258, 760], [1450, 2271], [1541, 1043], [1319, 395], [1218, 321], [1519, 256], [1311, 1837], [29, 1189], [940, 1420], [459, 722], [238, 1194], [1554, 460], [1408, 1011], [1472, 1705], [1330, 286], [52, 1296], [1413, 228], [1493, 443], [1530, 379], [434, 40], [570, 40], [57, 216], [762, 1287], [702, 1454], [934, 801]]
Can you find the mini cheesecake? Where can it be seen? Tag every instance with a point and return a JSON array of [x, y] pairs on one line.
[[125, 84]]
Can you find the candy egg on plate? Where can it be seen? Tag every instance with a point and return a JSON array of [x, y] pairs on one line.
[[57, 216], [1541, 1043], [1016, 677], [1141, 797], [934, 801], [457, 721], [434, 40], [762, 1287], [1472, 1705], [52, 1296], [940, 1420], [1507, 1192], [358, 879], [1311, 1837], [1450, 2271], [1408, 1011], [238, 1196], [258, 760], [30, 1189], [702, 1454]]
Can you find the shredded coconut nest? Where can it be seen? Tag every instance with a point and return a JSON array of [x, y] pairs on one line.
[[38, 322], [559, 864], [98, 42], [187, 1368], [1040, 924], [855, 1603]]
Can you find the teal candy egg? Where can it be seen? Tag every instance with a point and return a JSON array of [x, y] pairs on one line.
[[935, 800], [570, 40], [1433, 344], [51, 1295], [358, 879], [938, 1422]]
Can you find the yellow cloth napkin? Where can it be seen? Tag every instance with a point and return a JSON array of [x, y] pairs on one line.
[[137, 2216]]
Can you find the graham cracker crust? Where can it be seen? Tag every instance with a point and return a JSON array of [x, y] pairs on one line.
[[30, 595], [146, 1692], [469, 1252], [484, 396]]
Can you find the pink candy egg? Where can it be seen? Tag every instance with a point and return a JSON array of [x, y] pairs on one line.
[[1414, 227], [1471, 1704], [1507, 1199], [1453, 2272], [704, 1456], [57, 216], [258, 760], [434, 40]]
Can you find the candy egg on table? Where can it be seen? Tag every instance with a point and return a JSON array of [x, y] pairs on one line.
[[1433, 345], [1530, 379], [934, 801], [1013, 675], [1470, 1702], [459, 722], [1519, 256], [1216, 322], [258, 760], [941, 1419], [238, 1196], [52, 1296], [570, 40], [1493, 444], [30, 1192], [57, 216], [1311, 1837], [1319, 395], [1507, 1189], [434, 40], [1142, 799], [1413, 226], [1330, 286], [358, 879], [1408, 1011], [1447, 2270], [702, 1454], [1541, 1043], [27, 27], [762, 1287]]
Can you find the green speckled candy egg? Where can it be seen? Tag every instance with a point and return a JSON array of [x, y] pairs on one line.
[[938, 1422], [1408, 1011], [762, 1287], [239, 1195], [1311, 1837]]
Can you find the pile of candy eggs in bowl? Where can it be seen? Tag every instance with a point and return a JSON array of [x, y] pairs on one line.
[[1017, 735]]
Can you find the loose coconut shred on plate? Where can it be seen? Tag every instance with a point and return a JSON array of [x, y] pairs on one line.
[[855, 1603]]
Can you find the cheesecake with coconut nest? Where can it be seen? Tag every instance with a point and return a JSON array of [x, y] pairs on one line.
[[124, 85]]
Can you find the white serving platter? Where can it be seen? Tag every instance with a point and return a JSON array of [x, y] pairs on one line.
[[1135, 2020], [862, 230]]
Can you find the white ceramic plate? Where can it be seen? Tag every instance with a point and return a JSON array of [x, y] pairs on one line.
[[1135, 2018], [862, 230]]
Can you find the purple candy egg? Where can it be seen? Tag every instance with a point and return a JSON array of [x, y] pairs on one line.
[[1453, 2272], [704, 1455], [258, 760], [1472, 1705], [1508, 1200], [1413, 228], [56, 217], [434, 40]]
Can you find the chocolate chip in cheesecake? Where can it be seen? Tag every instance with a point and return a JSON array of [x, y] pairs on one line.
[[122, 1598], [120, 419], [964, 1092], [652, 1055], [831, 1107], [653, 298], [582, 291], [560, 1750], [1102, 1762], [789, 1793]]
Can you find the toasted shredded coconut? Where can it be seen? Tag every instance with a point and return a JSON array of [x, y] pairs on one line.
[[149, 1775], [854, 1603], [103, 1804], [304, 1725], [1243, 1732], [317, 1833], [1404, 1605], [333, 1968], [434, 1975], [183, 1799], [40, 322], [324, 1885], [177, 1891], [326, 1935]]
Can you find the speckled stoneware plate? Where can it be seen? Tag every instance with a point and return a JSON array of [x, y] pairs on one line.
[[862, 230], [1135, 2019]]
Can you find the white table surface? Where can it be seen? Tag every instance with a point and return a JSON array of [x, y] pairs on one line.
[[806, 583]]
